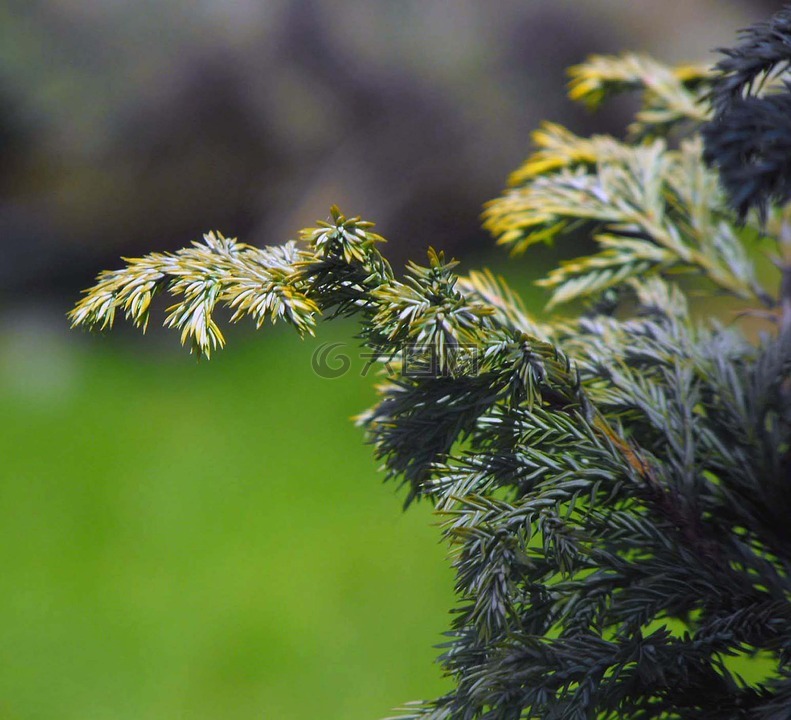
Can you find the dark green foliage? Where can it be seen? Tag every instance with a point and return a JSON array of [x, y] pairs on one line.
[[615, 487], [749, 137]]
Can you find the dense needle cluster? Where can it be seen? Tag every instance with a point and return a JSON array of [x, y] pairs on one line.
[[614, 485], [750, 138]]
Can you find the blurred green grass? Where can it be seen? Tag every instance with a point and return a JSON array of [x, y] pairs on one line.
[[204, 540]]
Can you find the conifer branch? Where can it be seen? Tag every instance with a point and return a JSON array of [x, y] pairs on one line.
[[653, 210], [749, 137], [613, 486], [250, 281], [669, 95], [506, 305]]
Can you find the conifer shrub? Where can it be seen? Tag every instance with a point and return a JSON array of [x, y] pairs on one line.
[[614, 483]]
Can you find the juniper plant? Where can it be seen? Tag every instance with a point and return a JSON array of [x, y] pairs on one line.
[[615, 484]]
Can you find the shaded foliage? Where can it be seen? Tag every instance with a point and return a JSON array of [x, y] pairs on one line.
[[749, 137]]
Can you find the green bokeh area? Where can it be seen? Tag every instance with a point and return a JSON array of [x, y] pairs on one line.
[[189, 539]]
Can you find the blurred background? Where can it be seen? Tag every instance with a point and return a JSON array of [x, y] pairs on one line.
[[204, 540]]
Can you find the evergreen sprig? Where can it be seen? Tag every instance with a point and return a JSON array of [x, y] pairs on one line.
[[749, 138], [250, 281], [651, 209], [614, 486], [670, 96]]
